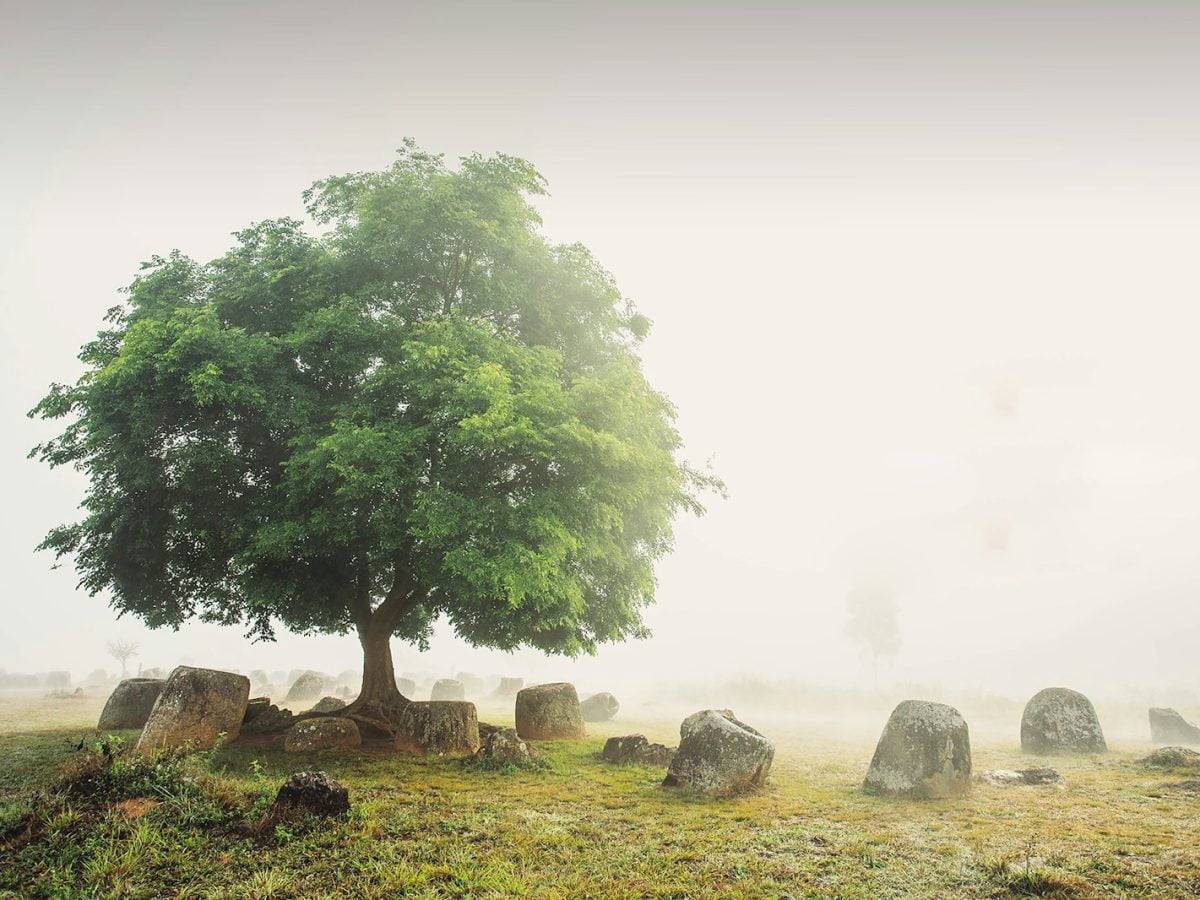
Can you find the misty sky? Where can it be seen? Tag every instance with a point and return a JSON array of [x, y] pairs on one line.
[[923, 278]]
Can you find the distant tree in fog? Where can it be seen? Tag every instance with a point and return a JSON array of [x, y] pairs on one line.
[[873, 624], [121, 651]]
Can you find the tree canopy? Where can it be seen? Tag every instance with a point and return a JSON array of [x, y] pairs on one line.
[[421, 408]]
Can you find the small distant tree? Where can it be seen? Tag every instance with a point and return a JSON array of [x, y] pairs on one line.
[[426, 411], [873, 624], [122, 651], [58, 680]]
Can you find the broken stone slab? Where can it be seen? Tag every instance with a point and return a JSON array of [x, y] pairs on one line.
[[255, 707], [719, 755], [268, 720]]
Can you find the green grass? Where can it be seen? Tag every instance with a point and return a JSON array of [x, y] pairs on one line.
[[578, 827]]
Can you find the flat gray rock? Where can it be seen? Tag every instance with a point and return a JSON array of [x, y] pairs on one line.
[[1016, 777]]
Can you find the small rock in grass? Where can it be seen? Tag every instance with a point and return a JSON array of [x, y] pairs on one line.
[[505, 746], [1173, 758], [310, 793], [635, 748], [1012, 777]]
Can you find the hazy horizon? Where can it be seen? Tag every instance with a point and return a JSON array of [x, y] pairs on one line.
[[922, 285]]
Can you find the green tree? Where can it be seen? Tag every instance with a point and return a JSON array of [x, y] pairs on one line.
[[426, 410]]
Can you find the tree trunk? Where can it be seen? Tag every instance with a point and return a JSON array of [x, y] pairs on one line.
[[379, 677], [377, 708]]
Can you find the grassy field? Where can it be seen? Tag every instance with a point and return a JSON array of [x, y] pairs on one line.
[[578, 827]]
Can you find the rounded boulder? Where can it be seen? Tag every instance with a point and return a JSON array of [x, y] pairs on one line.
[[328, 704], [549, 712], [326, 733], [197, 708], [1060, 720], [924, 752], [307, 686], [130, 703], [599, 707]]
